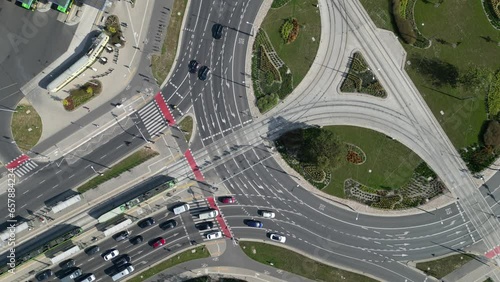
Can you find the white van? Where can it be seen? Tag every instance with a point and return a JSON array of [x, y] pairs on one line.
[[124, 272], [181, 209], [208, 214]]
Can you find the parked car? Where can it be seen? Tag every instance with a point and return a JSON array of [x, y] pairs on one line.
[[137, 240], [214, 235], [168, 224], [159, 242], [277, 237], [111, 254], [193, 66], [227, 200], [88, 278], [120, 236], [268, 214], [203, 73], [217, 31], [205, 225], [121, 260], [146, 222], [44, 275], [254, 223], [67, 263], [93, 250]]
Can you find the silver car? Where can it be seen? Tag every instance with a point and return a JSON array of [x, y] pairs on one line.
[[277, 237]]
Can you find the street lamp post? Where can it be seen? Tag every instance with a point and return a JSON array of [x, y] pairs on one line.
[[92, 167], [251, 30]]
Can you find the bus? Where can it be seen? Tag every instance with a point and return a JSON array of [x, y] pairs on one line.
[[27, 4]]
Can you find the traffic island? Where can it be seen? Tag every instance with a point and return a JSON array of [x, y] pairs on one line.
[[361, 79], [162, 63], [295, 263], [26, 126], [361, 165], [441, 267], [126, 164], [186, 126], [195, 253]]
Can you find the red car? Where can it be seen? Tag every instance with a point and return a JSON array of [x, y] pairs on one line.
[[159, 242], [228, 200]]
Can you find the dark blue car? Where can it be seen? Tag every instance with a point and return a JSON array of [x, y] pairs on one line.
[[254, 223]]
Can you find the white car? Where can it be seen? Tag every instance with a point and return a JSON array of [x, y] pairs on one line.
[[214, 235], [268, 214], [277, 237], [111, 254]]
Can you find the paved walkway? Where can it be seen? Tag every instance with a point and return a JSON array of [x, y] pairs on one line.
[[49, 106]]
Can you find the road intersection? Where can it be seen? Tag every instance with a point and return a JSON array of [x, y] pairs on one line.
[[232, 149]]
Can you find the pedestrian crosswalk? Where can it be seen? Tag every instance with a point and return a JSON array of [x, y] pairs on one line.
[[198, 207], [152, 118], [24, 168]]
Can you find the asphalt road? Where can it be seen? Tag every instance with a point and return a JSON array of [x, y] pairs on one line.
[[218, 101], [142, 255], [30, 42]]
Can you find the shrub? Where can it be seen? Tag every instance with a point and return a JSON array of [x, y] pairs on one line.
[[295, 31], [405, 28], [286, 29], [267, 102], [494, 96], [491, 136]]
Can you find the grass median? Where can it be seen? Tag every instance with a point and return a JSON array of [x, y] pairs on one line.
[[200, 252], [127, 164], [441, 267], [295, 263], [26, 127], [161, 64], [186, 126]]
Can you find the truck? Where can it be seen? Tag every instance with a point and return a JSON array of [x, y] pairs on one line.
[[180, 209], [208, 214]]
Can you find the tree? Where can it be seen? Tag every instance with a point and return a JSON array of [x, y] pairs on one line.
[[491, 136], [322, 148]]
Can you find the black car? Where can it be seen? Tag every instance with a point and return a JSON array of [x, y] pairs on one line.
[[67, 263], [205, 225], [168, 224], [203, 73], [137, 240], [120, 236], [193, 66], [92, 250], [44, 275], [123, 259], [146, 222], [217, 31]]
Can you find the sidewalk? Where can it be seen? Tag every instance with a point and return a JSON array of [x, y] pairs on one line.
[[49, 106]]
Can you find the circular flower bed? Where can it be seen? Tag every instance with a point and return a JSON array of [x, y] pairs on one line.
[[355, 155]]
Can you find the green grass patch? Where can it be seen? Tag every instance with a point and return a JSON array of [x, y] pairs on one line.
[[26, 127], [126, 164], [466, 41], [391, 163], [200, 252], [295, 263], [186, 126], [298, 55], [161, 64], [441, 267]]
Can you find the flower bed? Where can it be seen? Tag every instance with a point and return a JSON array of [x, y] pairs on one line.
[[289, 30], [81, 95], [315, 174], [360, 79]]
